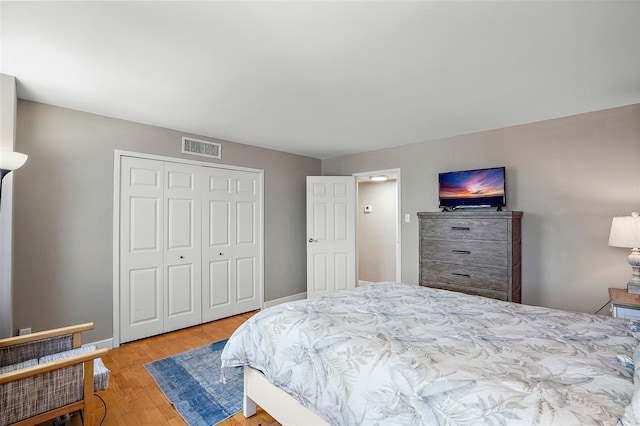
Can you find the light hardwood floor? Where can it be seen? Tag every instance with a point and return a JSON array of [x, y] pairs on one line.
[[133, 398]]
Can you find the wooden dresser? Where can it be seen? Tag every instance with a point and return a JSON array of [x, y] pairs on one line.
[[472, 252]]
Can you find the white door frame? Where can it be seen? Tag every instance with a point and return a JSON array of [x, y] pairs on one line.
[[398, 216], [118, 154]]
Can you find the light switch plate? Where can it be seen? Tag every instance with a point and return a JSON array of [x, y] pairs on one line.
[[407, 217]]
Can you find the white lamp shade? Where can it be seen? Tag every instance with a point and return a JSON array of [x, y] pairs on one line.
[[625, 231], [10, 160]]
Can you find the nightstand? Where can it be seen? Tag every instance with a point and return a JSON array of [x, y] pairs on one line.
[[623, 304]]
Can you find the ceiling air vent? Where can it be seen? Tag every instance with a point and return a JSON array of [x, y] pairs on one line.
[[202, 148]]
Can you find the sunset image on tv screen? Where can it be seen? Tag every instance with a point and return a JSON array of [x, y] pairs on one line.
[[472, 184]]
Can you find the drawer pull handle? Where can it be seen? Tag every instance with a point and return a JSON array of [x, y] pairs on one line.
[[461, 251], [460, 228], [461, 275]]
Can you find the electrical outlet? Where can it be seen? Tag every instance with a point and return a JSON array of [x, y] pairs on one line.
[[23, 331]]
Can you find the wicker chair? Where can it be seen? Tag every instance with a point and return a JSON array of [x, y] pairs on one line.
[[48, 374]]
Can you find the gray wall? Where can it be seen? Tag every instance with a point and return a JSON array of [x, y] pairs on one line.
[[569, 176], [377, 231], [64, 213]]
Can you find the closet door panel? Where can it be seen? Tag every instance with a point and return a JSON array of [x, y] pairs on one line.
[[247, 247], [219, 284], [245, 278], [218, 292], [218, 217], [182, 256], [141, 248], [144, 295], [231, 202]]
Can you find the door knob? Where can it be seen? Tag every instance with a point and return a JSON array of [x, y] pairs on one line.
[[311, 240]]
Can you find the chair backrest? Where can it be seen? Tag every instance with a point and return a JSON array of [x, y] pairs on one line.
[[35, 350]]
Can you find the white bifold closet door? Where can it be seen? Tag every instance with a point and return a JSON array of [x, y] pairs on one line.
[[189, 245], [231, 243], [182, 246], [141, 248]]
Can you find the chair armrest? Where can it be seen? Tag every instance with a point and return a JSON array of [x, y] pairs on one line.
[[27, 338], [50, 366]]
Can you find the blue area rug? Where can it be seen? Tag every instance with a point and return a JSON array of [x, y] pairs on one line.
[[191, 382]]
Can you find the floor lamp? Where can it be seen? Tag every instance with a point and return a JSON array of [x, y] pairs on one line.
[[9, 161]]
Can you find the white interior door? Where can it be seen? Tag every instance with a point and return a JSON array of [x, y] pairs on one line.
[[331, 234], [141, 248], [231, 249], [182, 254]]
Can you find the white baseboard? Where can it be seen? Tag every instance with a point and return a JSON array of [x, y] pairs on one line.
[[106, 343], [299, 296], [362, 283]]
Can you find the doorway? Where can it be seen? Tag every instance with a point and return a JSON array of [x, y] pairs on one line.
[[378, 248]]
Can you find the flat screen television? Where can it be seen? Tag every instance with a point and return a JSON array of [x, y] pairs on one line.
[[472, 188]]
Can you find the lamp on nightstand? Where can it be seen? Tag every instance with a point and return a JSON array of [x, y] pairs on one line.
[[625, 232]]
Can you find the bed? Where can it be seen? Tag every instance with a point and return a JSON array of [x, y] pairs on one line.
[[399, 354]]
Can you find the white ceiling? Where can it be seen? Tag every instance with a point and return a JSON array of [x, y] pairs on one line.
[[325, 79]]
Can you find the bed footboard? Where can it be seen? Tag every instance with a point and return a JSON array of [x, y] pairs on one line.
[[282, 407]]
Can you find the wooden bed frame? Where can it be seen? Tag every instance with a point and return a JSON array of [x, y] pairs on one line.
[[280, 405]]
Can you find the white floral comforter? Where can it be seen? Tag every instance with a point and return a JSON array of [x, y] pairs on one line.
[[398, 354]]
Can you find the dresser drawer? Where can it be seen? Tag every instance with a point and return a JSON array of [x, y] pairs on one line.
[[467, 252], [500, 295], [464, 229], [470, 276]]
